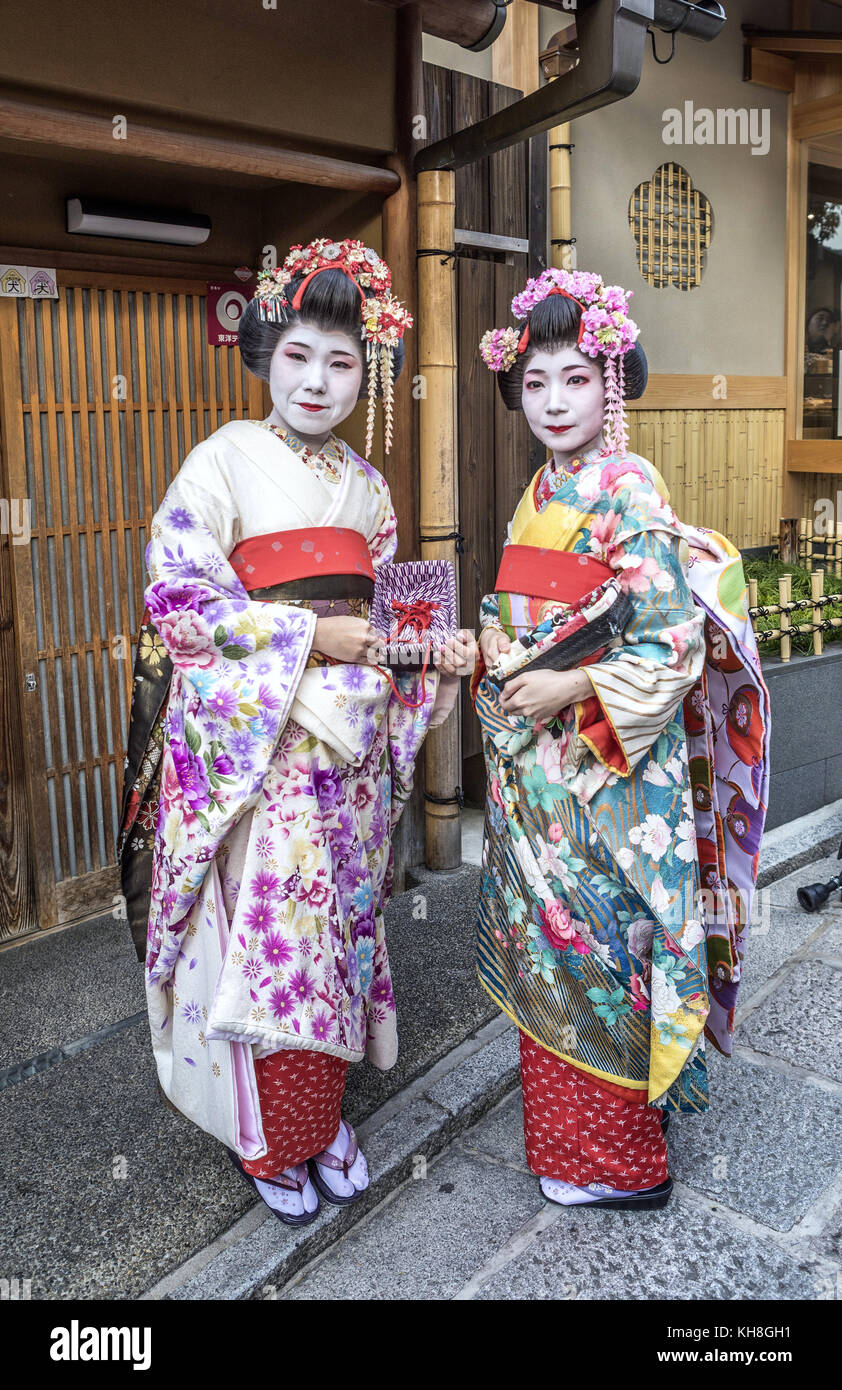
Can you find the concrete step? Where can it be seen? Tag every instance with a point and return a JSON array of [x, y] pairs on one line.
[[259, 1253]]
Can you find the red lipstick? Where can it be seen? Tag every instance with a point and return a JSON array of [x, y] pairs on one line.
[[311, 407]]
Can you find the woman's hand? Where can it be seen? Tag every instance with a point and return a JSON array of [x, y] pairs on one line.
[[458, 655], [347, 639], [492, 644], [543, 694]]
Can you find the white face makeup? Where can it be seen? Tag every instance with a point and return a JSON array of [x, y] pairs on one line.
[[563, 400], [314, 381]]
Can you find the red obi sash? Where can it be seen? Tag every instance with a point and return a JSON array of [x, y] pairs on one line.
[[552, 574], [562, 575], [281, 556]]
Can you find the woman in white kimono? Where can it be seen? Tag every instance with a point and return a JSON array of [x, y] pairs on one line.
[[269, 759]]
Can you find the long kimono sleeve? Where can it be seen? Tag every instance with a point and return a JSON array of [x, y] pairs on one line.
[[639, 685], [407, 727], [236, 663]]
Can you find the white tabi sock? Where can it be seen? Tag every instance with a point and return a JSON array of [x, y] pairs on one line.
[[334, 1178], [287, 1200], [569, 1196]]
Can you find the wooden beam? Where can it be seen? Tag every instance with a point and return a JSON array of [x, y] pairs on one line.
[[514, 56], [768, 69], [695, 392], [78, 131], [814, 455], [796, 44], [122, 267], [820, 117]]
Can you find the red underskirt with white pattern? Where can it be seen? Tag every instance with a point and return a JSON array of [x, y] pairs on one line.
[[300, 1104], [581, 1129]]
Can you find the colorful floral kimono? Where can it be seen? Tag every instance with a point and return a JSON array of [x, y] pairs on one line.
[[273, 778], [594, 933]]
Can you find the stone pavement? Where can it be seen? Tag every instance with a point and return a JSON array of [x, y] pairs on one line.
[[107, 1193], [757, 1208], [104, 1190]]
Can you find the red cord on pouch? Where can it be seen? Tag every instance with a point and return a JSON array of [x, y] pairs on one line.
[[418, 617]]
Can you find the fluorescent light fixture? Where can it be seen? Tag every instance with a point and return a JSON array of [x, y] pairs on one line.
[[133, 222]]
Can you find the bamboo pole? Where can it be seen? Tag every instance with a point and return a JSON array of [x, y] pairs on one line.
[[783, 598], [752, 593], [561, 219], [439, 501], [816, 591]]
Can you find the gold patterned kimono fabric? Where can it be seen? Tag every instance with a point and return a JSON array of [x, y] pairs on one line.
[[328, 461]]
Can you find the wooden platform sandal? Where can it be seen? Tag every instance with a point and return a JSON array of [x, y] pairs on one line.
[[329, 1160], [296, 1184]]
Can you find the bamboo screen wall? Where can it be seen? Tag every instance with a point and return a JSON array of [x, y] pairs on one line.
[[722, 467], [115, 385]]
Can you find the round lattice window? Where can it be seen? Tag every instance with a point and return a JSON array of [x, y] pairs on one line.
[[672, 225]]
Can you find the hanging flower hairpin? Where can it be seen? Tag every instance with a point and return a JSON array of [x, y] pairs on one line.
[[384, 320]]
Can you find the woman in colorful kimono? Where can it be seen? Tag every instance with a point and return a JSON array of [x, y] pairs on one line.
[[592, 933], [269, 758]]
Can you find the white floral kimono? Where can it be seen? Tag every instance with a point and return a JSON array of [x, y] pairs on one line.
[[281, 782]]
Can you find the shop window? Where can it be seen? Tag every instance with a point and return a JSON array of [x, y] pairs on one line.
[[823, 299]]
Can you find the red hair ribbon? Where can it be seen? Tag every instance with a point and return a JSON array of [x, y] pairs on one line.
[[524, 337]]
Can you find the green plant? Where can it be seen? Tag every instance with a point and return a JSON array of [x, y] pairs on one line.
[[767, 573]]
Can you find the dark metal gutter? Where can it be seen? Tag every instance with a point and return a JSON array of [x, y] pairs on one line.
[[611, 37]]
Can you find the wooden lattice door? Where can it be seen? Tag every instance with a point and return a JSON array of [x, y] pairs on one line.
[[102, 394]]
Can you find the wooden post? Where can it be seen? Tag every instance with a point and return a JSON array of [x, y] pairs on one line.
[[399, 242], [27, 874], [400, 466], [752, 593], [837, 559], [788, 540], [439, 507], [808, 548]]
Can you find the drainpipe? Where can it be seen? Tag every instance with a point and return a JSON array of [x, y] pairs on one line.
[[611, 36]]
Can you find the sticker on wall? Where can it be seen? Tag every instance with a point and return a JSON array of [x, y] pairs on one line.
[[14, 282], [672, 225], [42, 283], [226, 305], [27, 282]]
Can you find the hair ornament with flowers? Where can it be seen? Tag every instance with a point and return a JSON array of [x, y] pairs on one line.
[[383, 319], [605, 329]]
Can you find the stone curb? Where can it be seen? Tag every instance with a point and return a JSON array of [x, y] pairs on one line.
[[259, 1254], [799, 842]]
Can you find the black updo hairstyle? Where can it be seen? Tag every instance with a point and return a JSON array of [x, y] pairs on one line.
[[554, 324], [330, 302]]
